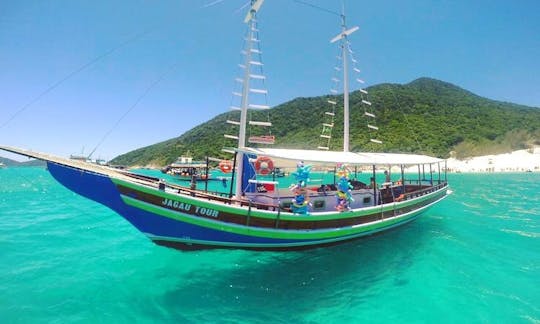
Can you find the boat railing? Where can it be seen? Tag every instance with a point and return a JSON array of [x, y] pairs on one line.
[[139, 176], [413, 188], [218, 196], [397, 193], [423, 190], [428, 182]]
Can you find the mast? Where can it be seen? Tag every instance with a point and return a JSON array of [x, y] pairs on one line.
[[244, 105], [345, 91], [344, 58], [245, 79]]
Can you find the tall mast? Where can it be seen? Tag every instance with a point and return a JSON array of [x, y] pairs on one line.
[[344, 58], [345, 89], [244, 105], [245, 80]]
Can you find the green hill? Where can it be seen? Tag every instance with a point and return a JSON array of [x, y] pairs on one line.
[[424, 116], [30, 163]]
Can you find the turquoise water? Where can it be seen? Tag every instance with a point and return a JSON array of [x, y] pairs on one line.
[[475, 257]]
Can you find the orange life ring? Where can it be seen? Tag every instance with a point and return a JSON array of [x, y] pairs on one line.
[[225, 166], [264, 165]]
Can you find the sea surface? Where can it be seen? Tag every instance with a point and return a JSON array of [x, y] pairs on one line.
[[473, 258]]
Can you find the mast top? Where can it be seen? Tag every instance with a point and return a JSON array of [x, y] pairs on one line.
[[255, 6], [344, 33]]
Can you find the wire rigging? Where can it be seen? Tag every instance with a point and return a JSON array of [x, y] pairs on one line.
[[70, 75], [139, 99], [317, 7]]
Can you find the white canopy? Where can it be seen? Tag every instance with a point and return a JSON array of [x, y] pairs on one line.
[[351, 158]]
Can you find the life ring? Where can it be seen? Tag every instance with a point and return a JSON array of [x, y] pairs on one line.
[[264, 165], [398, 183], [225, 166]]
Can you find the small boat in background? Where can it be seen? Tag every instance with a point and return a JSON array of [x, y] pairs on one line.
[[80, 158], [184, 168]]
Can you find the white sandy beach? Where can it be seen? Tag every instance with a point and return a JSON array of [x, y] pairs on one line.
[[517, 161]]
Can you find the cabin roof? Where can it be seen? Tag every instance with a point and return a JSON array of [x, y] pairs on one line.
[[352, 158]]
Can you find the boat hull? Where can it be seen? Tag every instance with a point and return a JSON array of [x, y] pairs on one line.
[[189, 222]]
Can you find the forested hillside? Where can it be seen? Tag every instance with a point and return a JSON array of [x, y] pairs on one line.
[[424, 116], [30, 163]]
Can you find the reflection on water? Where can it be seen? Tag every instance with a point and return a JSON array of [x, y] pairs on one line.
[[315, 278], [473, 257]]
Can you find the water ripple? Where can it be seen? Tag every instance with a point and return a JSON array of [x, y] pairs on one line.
[[66, 259]]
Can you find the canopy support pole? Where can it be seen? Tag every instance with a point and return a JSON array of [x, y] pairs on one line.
[[233, 174], [419, 177], [439, 167], [402, 179], [374, 182], [207, 173]]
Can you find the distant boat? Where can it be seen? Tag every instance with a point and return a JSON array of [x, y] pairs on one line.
[[2, 165], [88, 159], [262, 215], [80, 158], [184, 168]]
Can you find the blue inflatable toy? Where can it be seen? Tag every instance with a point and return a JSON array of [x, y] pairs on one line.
[[302, 174], [300, 202], [343, 194], [301, 199]]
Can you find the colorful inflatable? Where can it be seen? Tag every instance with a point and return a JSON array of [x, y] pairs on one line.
[[301, 198], [302, 174], [343, 194]]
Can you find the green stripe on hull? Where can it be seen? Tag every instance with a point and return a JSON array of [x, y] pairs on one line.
[[284, 216], [312, 243], [319, 234]]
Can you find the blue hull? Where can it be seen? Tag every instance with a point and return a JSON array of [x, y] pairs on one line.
[[184, 235], [101, 189]]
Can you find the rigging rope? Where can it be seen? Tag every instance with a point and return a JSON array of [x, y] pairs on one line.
[[139, 99], [70, 75], [317, 7], [333, 96]]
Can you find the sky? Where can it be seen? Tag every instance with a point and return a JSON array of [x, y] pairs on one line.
[[119, 75]]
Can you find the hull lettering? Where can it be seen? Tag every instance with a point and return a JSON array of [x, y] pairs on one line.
[[208, 212], [176, 204]]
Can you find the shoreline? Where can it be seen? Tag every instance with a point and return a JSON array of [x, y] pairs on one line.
[[519, 161], [516, 161], [527, 160]]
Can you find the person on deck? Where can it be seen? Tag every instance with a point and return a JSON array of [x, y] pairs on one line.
[[371, 182], [387, 176]]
